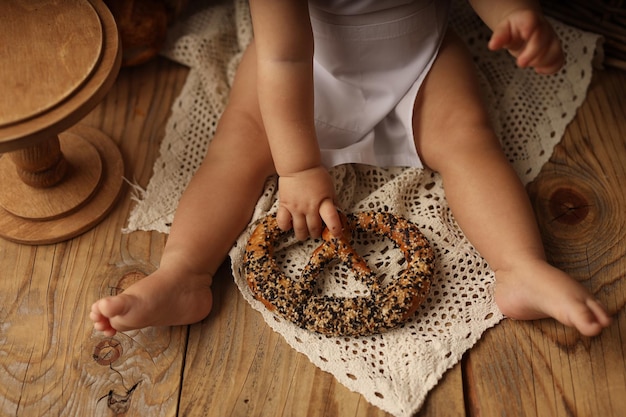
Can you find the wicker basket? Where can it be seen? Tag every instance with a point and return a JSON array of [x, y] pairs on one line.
[[142, 25], [605, 17]]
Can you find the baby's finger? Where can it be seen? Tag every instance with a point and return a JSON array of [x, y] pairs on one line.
[[314, 225], [535, 47], [551, 61], [300, 228], [283, 219], [501, 37], [331, 218]]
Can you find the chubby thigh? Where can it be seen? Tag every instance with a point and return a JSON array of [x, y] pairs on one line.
[[449, 115]]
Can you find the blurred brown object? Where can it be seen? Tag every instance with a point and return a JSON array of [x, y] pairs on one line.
[[604, 17], [143, 25]]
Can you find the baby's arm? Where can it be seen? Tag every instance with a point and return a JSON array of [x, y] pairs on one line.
[[520, 27], [284, 48]]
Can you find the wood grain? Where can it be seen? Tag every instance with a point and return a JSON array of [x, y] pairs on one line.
[[232, 364]]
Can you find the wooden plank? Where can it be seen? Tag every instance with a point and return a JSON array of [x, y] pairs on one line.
[[51, 361], [447, 399], [237, 366], [542, 368]]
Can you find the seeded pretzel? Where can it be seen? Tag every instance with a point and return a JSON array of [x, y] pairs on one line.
[[386, 306]]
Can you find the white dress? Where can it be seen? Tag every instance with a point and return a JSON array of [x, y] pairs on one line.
[[371, 56]]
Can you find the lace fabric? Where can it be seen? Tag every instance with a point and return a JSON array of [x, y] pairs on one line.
[[394, 370]]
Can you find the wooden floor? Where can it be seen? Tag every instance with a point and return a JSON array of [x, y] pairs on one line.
[[232, 364]]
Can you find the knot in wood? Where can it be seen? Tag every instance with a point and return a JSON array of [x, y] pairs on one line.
[[107, 351], [568, 206]]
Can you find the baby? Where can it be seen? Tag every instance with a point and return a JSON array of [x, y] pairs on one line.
[[379, 82]]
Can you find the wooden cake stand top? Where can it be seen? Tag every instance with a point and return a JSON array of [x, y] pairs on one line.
[[58, 60], [65, 67]]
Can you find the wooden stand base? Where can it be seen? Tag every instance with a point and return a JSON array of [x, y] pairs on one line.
[[88, 191]]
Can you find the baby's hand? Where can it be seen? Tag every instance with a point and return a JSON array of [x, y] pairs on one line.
[[306, 199], [529, 37]]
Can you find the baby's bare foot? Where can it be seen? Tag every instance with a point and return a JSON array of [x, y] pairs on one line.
[[160, 299], [538, 290]]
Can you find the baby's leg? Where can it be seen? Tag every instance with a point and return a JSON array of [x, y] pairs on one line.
[[214, 210], [453, 137]]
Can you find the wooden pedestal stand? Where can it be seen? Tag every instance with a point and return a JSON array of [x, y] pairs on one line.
[[57, 61]]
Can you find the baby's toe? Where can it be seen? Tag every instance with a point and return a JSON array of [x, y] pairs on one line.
[[600, 313], [587, 319]]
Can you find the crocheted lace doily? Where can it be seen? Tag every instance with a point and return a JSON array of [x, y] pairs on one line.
[[395, 370]]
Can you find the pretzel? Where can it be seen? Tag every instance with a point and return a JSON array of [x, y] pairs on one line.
[[386, 306]]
